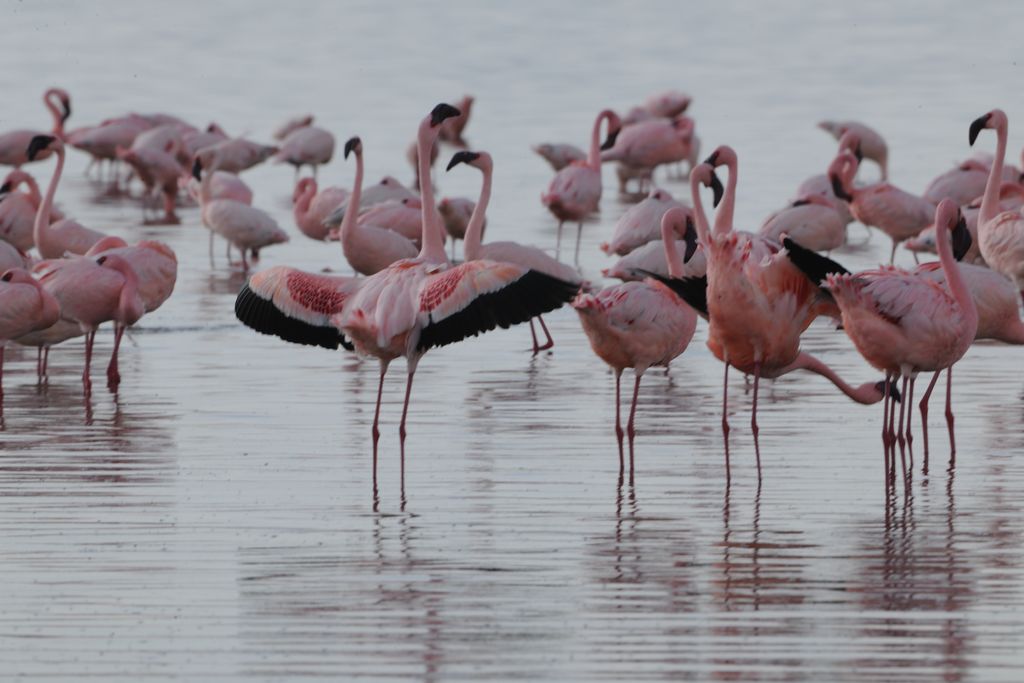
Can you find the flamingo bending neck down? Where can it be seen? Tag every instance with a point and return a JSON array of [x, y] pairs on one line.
[[575, 191], [507, 252], [25, 307], [64, 236], [1000, 234]]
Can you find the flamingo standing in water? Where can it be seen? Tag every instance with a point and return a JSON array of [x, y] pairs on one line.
[[24, 308], [456, 213], [18, 209], [559, 155], [814, 221], [575, 191], [507, 252], [14, 144], [1000, 235], [92, 291], [872, 144], [311, 207], [389, 189], [64, 236], [306, 146], [644, 146], [639, 324]]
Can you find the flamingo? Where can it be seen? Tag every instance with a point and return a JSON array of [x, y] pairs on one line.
[[412, 155], [155, 265], [12, 257], [640, 224], [159, 171], [650, 258], [387, 190], [962, 183], [234, 155], [820, 184], [644, 146], [90, 292], [101, 141], [668, 104], [13, 144], [367, 248], [292, 125], [872, 143], [812, 220], [244, 226], [311, 206], [639, 324], [306, 146], [43, 339], [559, 155], [507, 252], [18, 209], [899, 214], [452, 129], [223, 185], [575, 191], [1000, 235], [193, 142], [456, 212], [24, 308], [66, 235]]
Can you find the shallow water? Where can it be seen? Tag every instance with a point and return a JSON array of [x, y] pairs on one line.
[[216, 518]]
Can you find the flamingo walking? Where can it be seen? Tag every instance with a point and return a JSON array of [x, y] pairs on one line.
[[14, 144], [507, 252], [24, 308], [575, 191]]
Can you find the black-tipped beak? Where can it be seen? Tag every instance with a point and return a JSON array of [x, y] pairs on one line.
[[976, 126], [350, 146], [37, 145], [894, 393], [462, 158], [5, 188], [101, 260], [197, 169], [67, 110], [691, 239], [859, 153], [961, 238], [800, 202], [717, 189], [712, 160], [441, 112], [838, 190], [609, 141]]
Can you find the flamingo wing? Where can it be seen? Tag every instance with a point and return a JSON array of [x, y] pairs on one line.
[[478, 296], [692, 290], [295, 305]]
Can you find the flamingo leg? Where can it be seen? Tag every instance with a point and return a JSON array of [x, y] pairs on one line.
[[405, 406], [618, 417], [631, 426], [550, 342], [558, 240], [211, 247], [579, 234], [909, 399], [245, 262], [900, 435], [725, 401], [949, 411], [533, 333], [1, 376], [39, 364], [757, 382], [924, 418], [113, 376], [86, 380], [46, 359], [892, 254]]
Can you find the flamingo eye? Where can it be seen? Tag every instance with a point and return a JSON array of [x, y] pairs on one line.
[[101, 260], [7, 277]]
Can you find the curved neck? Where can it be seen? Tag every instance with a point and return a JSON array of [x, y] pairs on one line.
[[865, 393], [58, 116], [475, 229], [206, 184], [668, 239], [990, 200], [351, 218], [302, 204], [41, 229], [723, 219], [432, 243], [954, 276], [128, 304], [594, 157], [699, 216], [33, 189]]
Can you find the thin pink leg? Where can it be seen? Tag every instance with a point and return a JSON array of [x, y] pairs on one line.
[[1, 376], [924, 419], [113, 376], [885, 411], [405, 406], [39, 364], [909, 400], [375, 431], [949, 411], [618, 417], [533, 333], [579, 234], [631, 426], [558, 240], [550, 342], [46, 359], [757, 382], [245, 262], [900, 435], [725, 401]]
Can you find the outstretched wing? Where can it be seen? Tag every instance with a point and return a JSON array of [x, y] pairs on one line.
[[295, 305], [478, 296], [692, 290]]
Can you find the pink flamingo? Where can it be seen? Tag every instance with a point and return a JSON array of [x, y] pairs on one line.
[[24, 308], [101, 141], [245, 227], [904, 322], [18, 209], [223, 185], [234, 155], [644, 146], [456, 213], [639, 324], [13, 144], [812, 220], [412, 155], [159, 171], [507, 252], [453, 128], [872, 144], [155, 265], [311, 207], [820, 184], [43, 339], [899, 214], [559, 155], [575, 191], [12, 257], [640, 224], [292, 125], [193, 142], [389, 189], [306, 146], [1000, 235], [91, 292], [650, 259], [64, 236], [367, 248], [403, 217], [668, 104], [962, 183]]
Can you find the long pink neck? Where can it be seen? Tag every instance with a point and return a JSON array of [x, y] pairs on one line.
[[990, 200], [723, 219], [351, 218], [475, 229], [206, 183], [33, 189], [699, 216], [955, 279], [302, 204], [58, 116], [432, 244], [594, 157], [41, 229], [865, 393], [668, 239]]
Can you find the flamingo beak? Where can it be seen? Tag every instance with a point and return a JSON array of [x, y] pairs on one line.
[[894, 393], [712, 159], [859, 153], [609, 142], [976, 126], [37, 145], [961, 237], [838, 190], [67, 109], [462, 158], [6, 187], [197, 169], [716, 188], [441, 112], [691, 240], [350, 146]]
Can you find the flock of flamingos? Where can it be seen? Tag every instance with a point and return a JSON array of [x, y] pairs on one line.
[[758, 291]]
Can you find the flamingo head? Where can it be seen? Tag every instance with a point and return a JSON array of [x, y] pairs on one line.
[[197, 168], [614, 128], [303, 186], [705, 175], [840, 174], [441, 112], [15, 275], [850, 141], [894, 393], [993, 119], [948, 216], [468, 158], [353, 145], [39, 144], [724, 155]]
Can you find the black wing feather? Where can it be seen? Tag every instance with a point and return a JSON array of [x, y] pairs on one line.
[[692, 290], [529, 296], [811, 263], [264, 317]]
